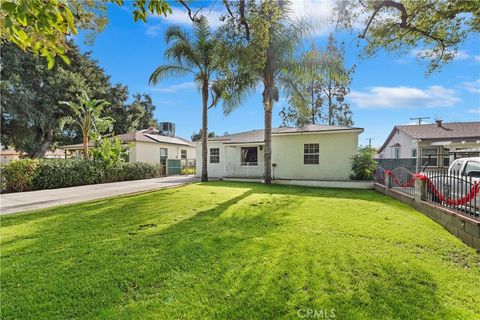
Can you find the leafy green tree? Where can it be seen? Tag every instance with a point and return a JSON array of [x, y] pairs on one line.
[[140, 112], [43, 27], [199, 58], [88, 117], [196, 136], [433, 28], [30, 111], [363, 164], [108, 150], [259, 56], [322, 81]]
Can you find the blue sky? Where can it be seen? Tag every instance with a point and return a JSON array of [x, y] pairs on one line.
[[387, 89]]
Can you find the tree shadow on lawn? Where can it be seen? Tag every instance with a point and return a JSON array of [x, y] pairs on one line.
[[237, 259]]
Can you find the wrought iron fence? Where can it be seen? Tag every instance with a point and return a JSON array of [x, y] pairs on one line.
[[454, 190], [457, 191]]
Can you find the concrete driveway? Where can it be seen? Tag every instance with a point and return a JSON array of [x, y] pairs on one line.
[[31, 200]]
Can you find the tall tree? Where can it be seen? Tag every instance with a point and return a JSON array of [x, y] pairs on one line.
[[197, 57], [434, 29], [322, 81], [264, 39], [31, 93], [141, 112], [87, 115]]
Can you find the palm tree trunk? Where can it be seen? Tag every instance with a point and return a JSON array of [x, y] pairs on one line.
[[85, 147], [204, 130], [268, 141], [267, 107]]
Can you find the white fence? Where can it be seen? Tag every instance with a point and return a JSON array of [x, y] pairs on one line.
[[245, 169]]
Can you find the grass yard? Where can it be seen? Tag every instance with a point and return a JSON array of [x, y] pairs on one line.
[[236, 251]]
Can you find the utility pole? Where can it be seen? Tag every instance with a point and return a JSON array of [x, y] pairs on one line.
[[370, 141], [419, 119]]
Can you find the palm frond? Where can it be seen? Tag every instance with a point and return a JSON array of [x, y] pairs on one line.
[[168, 70]]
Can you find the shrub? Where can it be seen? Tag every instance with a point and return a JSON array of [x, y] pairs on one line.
[[60, 173], [18, 175], [363, 164]]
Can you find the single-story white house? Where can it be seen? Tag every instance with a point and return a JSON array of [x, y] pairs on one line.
[[150, 146], [437, 144], [313, 152]]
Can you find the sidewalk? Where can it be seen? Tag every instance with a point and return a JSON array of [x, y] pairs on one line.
[[31, 200]]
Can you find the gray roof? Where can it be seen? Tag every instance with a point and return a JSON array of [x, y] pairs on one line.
[[452, 130], [145, 135], [256, 136]]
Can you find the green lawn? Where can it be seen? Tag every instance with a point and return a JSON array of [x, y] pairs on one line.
[[236, 251]]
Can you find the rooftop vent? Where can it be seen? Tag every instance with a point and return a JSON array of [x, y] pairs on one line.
[[167, 129]]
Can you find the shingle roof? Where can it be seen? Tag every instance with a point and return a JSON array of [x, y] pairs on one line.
[[143, 136], [255, 136], [453, 130], [446, 130]]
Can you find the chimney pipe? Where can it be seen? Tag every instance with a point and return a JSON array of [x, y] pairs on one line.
[[439, 123]]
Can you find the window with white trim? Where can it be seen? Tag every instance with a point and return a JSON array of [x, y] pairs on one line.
[[214, 155], [183, 154], [311, 153]]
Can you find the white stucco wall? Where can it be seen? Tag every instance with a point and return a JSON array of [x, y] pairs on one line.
[[215, 170], [406, 143], [150, 152], [335, 153]]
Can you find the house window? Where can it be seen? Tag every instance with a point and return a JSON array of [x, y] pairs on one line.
[[414, 153], [249, 156], [163, 153], [446, 157], [311, 153], [214, 155], [183, 154], [429, 157], [396, 153]]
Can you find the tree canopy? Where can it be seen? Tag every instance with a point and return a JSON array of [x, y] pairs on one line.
[[43, 27], [436, 27], [31, 111]]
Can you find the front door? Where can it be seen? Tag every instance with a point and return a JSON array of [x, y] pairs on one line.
[[163, 160]]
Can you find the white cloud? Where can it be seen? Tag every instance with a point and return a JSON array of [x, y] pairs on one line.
[[404, 97], [473, 86], [477, 58], [179, 16], [153, 30], [474, 111], [176, 87], [318, 13]]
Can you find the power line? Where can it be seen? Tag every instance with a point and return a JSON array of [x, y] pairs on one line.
[[419, 119]]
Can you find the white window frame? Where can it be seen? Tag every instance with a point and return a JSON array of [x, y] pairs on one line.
[[214, 156], [309, 151]]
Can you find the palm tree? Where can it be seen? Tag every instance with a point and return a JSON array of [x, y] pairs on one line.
[[198, 57], [279, 40], [87, 115]]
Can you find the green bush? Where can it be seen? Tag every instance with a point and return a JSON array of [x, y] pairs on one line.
[[18, 175], [363, 164], [24, 175]]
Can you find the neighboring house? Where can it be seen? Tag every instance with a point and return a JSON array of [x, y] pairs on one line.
[[8, 154], [441, 142], [314, 152], [150, 146]]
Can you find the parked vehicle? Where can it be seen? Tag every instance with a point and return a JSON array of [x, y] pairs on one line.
[[455, 188]]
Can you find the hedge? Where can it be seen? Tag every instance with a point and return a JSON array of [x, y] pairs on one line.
[[27, 174]]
